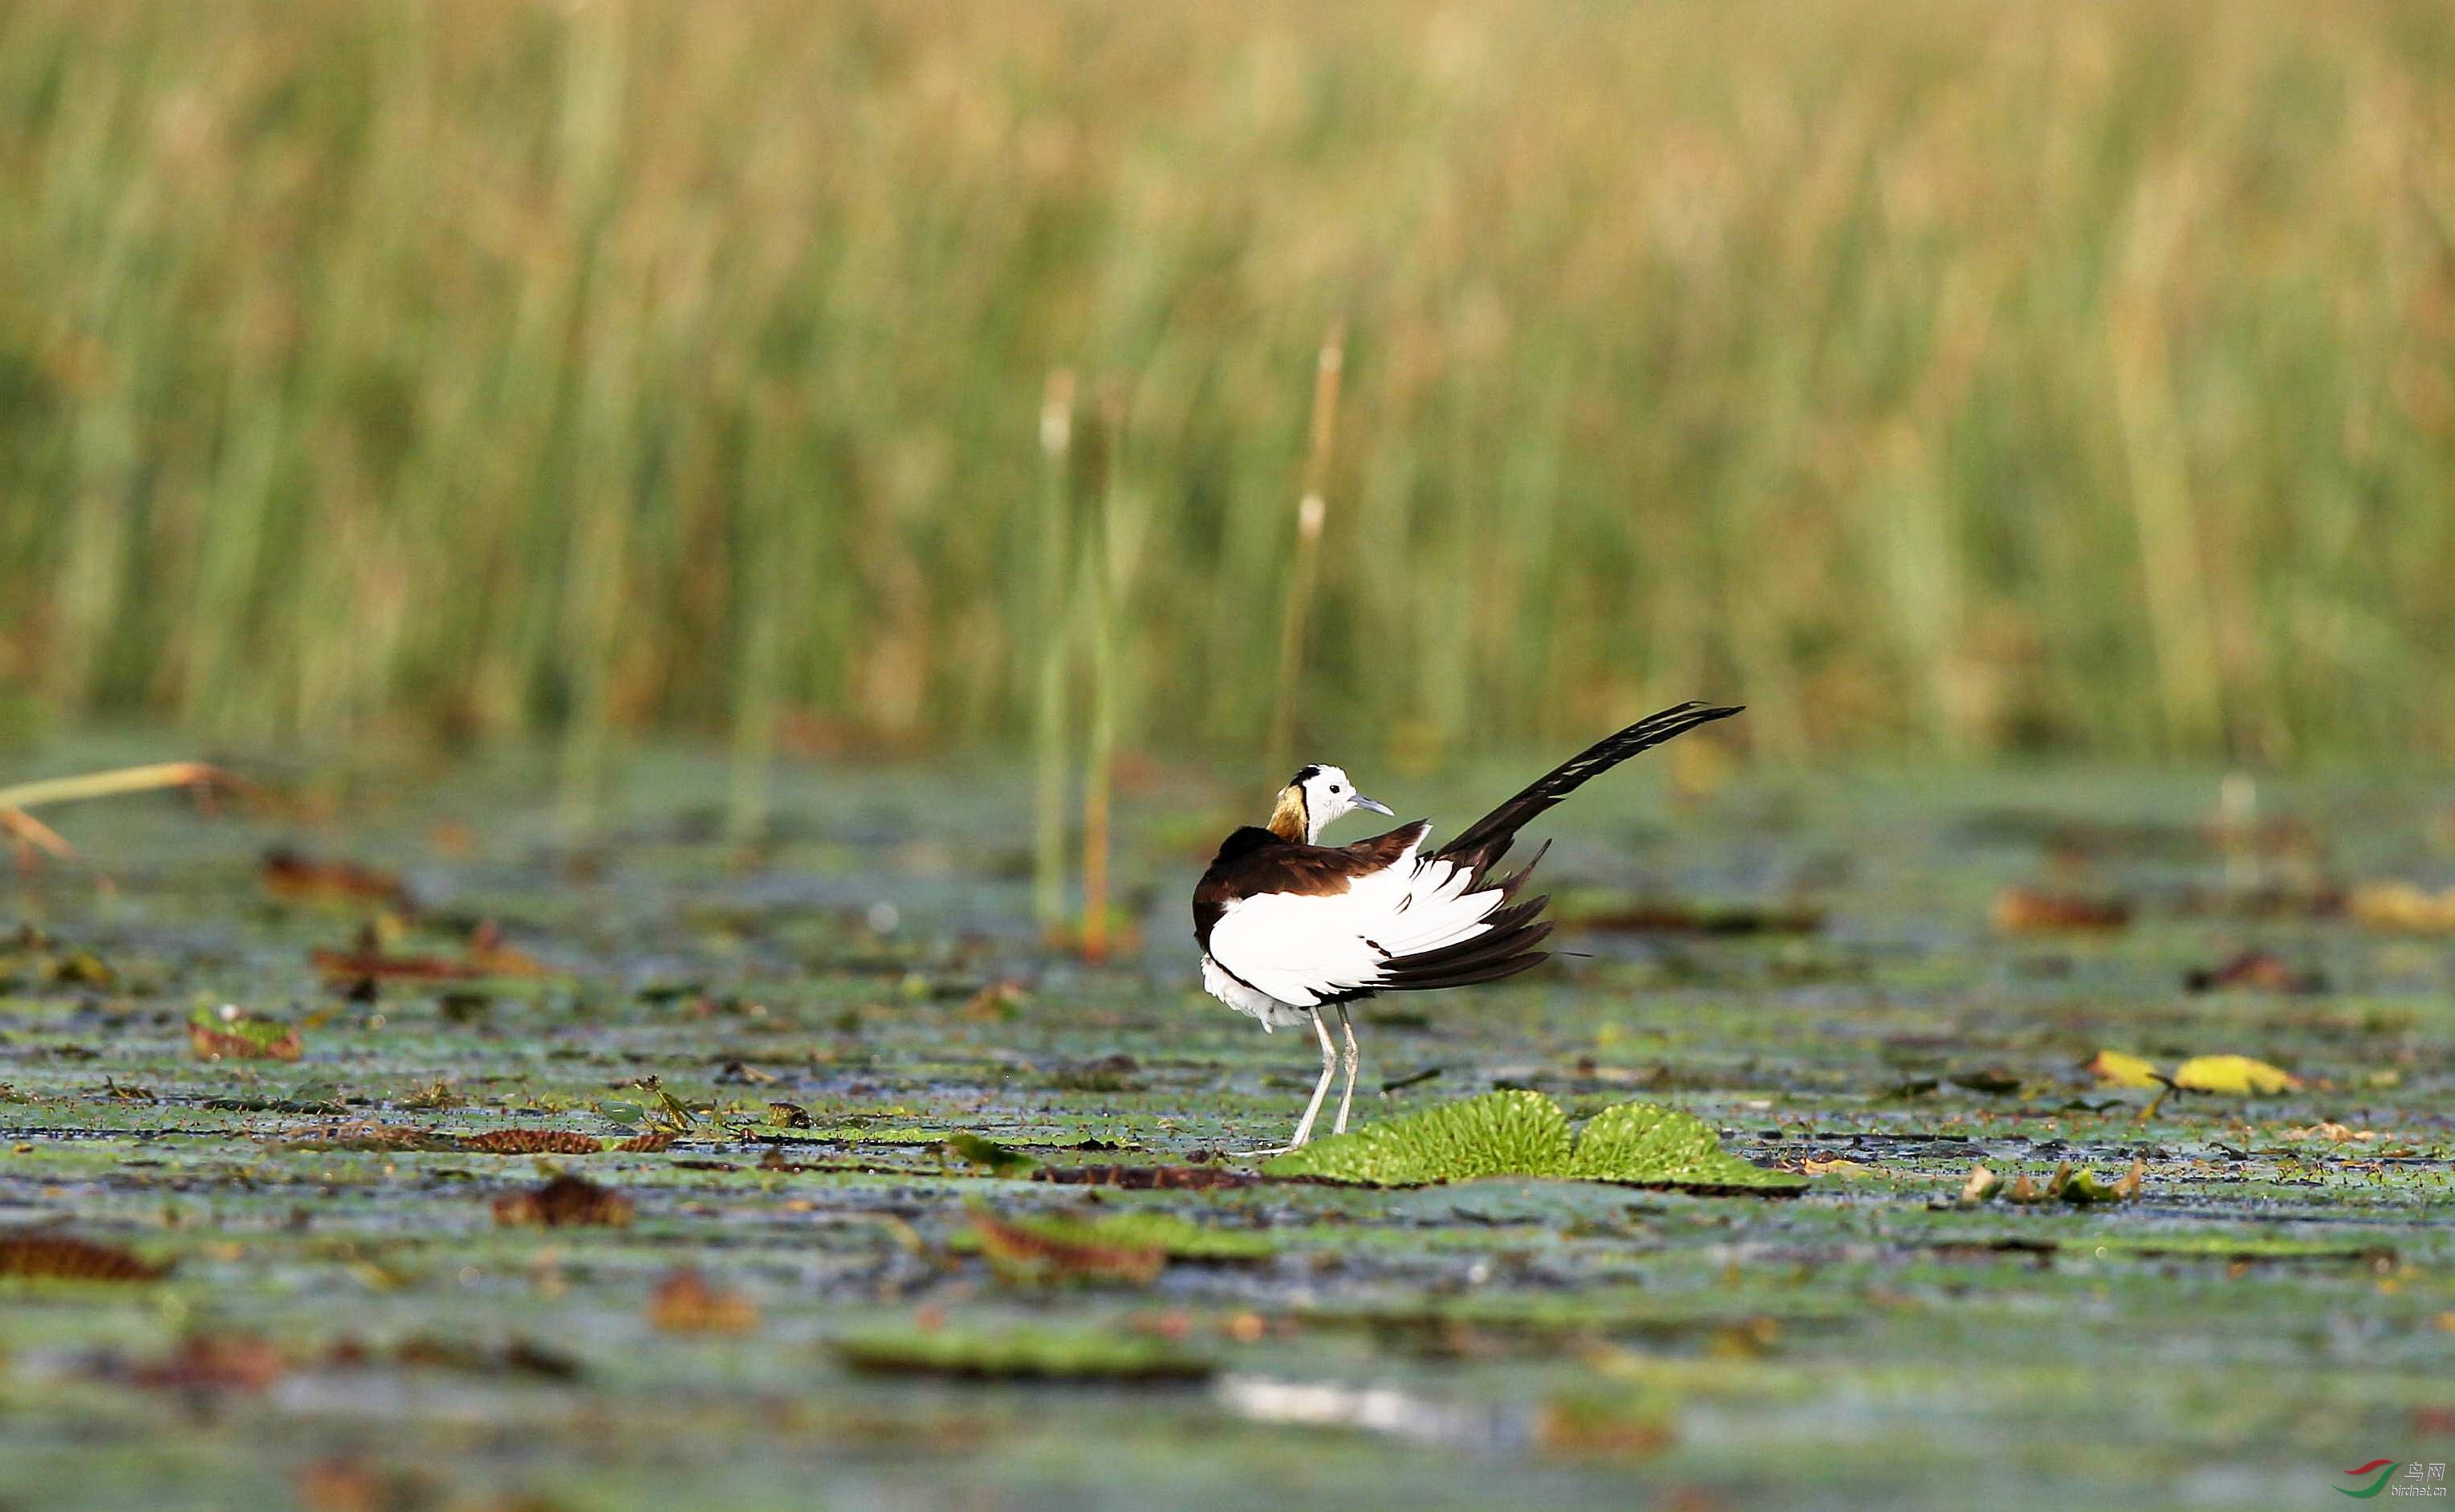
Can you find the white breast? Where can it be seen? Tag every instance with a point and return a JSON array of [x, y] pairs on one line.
[[1301, 949]]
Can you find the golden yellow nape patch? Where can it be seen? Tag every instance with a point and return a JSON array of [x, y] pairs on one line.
[[1288, 819]]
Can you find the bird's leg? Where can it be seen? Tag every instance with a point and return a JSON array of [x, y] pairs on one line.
[[1347, 1098], [1321, 1088]]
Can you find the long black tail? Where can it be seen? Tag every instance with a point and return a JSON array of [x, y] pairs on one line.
[[1507, 946], [1486, 840]]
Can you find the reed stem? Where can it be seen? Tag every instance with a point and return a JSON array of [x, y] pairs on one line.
[[1052, 636], [1304, 571]]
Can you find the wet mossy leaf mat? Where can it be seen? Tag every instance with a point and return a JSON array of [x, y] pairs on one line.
[[1522, 1133]]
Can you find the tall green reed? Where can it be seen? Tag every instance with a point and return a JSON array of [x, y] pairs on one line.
[[1933, 378]]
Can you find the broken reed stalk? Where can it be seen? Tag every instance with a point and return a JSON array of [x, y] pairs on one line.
[[202, 776], [1311, 512], [27, 835], [1100, 572], [1049, 712]]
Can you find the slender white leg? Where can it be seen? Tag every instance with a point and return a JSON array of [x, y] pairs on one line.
[[1347, 1098], [1321, 1088]]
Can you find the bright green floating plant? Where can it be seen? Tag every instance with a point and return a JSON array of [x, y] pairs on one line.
[[1524, 1134]]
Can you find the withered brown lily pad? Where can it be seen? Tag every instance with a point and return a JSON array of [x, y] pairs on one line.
[[1041, 1252], [565, 1202], [64, 1256], [1022, 1354], [533, 1141]]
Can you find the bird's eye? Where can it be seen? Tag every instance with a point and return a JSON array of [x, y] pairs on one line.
[[1333, 787]]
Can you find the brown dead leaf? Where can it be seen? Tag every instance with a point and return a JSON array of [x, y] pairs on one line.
[[215, 1362], [489, 956], [566, 1201], [685, 1303], [348, 1484], [2255, 970], [2028, 911], [295, 878], [646, 1143], [47, 1256]]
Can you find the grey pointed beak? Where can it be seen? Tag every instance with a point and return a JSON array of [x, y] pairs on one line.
[[1376, 806]]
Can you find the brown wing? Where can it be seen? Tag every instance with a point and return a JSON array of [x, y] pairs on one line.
[[1254, 861]]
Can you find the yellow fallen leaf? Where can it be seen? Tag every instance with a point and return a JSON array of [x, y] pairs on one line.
[[2401, 905], [1981, 1187], [1838, 1166], [2240, 1076], [2116, 1069]]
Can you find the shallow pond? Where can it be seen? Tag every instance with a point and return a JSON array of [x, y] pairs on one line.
[[1876, 982]]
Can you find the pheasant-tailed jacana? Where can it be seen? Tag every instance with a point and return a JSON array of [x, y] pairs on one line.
[[1291, 927]]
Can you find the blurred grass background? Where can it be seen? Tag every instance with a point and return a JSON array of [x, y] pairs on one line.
[[1941, 378]]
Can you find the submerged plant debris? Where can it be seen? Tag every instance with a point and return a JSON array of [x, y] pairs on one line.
[[822, 1180]]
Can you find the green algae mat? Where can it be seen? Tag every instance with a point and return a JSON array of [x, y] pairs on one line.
[[409, 1157]]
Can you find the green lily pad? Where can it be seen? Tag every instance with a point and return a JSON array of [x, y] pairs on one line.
[[1525, 1133], [1516, 1133], [1177, 1237]]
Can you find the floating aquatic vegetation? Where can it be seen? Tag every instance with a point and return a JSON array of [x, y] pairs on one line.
[[2068, 1185], [47, 1256], [989, 1155], [566, 1201], [364, 1136], [1144, 1178], [1523, 1132], [230, 1033], [648, 1107], [1605, 1424], [1020, 1354]]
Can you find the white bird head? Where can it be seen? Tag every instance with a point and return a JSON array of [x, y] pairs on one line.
[[1314, 797]]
